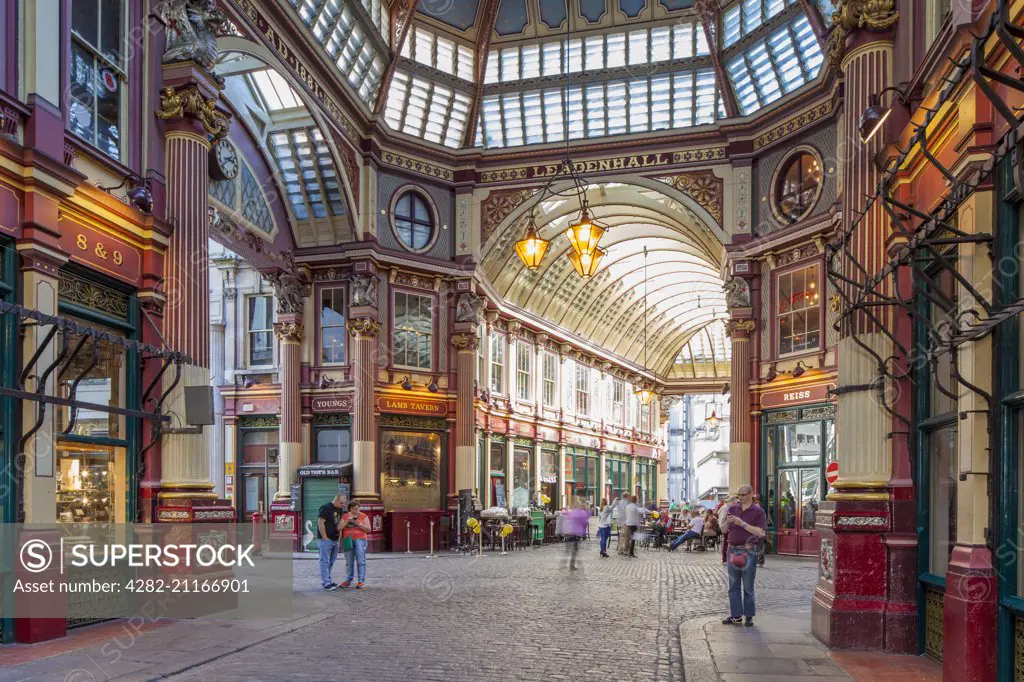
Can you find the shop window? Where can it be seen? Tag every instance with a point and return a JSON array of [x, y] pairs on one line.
[[497, 364], [97, 73], [524, 371], [497, 473], [414, 330], [798, 310], [90, 484], [522, 481], [261, 331], [332, 447], [332, 326], [258, 470], [645, 418], [100, 380], [549, 477], [410, 470], [550, 379], [618, 402], [941, 455], [797, 186], [413, 220], [582, 390]]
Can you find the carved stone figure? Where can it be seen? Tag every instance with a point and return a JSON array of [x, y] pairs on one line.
[[191, 31], [737, 293], [364, 290], [289, 291], [469, 308]]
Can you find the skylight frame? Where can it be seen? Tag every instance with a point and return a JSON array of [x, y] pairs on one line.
[[309, 175], [427, 108], [746, 17], [424, 48]]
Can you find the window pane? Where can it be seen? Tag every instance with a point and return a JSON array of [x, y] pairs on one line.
[[942, 498]]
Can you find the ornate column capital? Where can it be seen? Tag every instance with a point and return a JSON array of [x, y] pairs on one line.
[[850, 15], [363, 328], [189, 102], [466, 341], [740, 328], [288, 331]]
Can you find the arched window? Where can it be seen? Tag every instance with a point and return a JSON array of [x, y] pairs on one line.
[[797, 186], [414, 221]]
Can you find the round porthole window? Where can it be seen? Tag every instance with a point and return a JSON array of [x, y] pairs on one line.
[[414, 221], [797, 186]]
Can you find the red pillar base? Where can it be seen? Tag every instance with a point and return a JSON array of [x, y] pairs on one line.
[[970, 615], [284, 528], [866, 578], [374, 509], [31, 626]]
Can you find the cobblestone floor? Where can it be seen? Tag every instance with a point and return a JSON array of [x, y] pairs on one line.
[[523, 616]]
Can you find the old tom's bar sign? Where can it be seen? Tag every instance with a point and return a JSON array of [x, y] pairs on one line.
[[412, 406], [339, 403], [797, 395]]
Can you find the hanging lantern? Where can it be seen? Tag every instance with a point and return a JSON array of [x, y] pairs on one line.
[[531, 248], [583, 233], [713, 421], [644, 395], [587, 264]]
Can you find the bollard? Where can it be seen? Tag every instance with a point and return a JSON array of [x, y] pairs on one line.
[[257, 532], [408, 543], [431, 555]]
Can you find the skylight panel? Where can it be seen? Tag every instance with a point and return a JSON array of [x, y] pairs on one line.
[[661, 46], [704, 100], [575, 112], [746, 16], [731, 25], [682, 41], [553, 116], [530, 61], [551, 59], [593, 53], [753, 15], [512, 109], [638, 47], [335, 27], [274, 90], [661, 105], [465, 65], [616, 49], [595, 104], [533, 117], [618, 122]]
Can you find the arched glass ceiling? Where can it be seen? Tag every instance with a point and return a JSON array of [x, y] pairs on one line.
[[683, 284], [293, 143], [706, 355]]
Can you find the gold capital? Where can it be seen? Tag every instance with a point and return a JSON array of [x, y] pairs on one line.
[[288, 331], [744, 327], [190, 103], [465, 341], [871, 15], [363, 327]]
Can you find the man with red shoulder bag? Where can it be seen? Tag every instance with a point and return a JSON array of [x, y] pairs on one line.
[[744, 527]]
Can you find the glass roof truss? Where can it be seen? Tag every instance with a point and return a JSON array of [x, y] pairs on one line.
[[440, 53], [427, 109], [308, 173]]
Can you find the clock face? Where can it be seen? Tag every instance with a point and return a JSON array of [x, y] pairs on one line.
[[224, 162]]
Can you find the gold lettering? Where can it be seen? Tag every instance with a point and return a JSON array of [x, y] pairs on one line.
[[82, 242], [100, 251], [618, 163], [118, 258]]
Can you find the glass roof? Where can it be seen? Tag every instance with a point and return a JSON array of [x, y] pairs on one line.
[[646, 67]]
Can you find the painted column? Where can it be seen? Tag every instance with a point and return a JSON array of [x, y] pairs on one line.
[[288, 330], [217, 330], [741, 328], [485, 494], [561, 475], [863, 559], [230, 458], [970, 610], [465, 344], [363, 331], [187, 104]]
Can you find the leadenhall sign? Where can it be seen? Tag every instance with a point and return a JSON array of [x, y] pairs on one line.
[[412, 406]]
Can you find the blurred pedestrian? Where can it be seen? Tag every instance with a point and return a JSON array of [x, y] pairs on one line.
[[620, 519], [744, 527], [632, 525], [604, 525], [575, 528]]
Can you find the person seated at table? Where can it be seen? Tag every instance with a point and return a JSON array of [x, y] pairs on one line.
[[711, 529], [695, 530]]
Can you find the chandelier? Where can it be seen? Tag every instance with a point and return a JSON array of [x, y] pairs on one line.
[[584, 233]]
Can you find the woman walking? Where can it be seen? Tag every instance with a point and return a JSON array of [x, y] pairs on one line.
[[604, 525]]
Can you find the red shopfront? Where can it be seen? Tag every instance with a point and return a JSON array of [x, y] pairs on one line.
[[798, 439]]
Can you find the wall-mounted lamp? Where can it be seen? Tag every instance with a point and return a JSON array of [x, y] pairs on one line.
[[407, 384], [799, 369], [248, 383], [874, 117], [432, 386], [139, 194]]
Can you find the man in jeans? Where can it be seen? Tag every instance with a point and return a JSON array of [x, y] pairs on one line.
[[694, 531], [327, 540], [744, 528]]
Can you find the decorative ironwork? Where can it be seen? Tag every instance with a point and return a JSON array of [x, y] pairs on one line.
[[332, 419], [827, 560], [82, 292], [780, 416], [820, 412], [519, 440], [704, 187], [933, 616], [868, 300], [497, 206], [259, 421], [405, 421]]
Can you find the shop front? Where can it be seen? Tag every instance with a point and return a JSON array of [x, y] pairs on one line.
[[522, 473], [497, 459], [258, 447], [581, 474], [318, 484], [616, 475], [798, 442], [549, 475], [413, 478], [646, 481]]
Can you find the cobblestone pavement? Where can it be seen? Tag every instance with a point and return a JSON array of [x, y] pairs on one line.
[[523, 616]]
